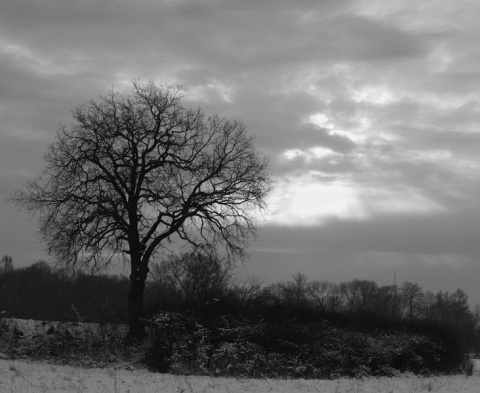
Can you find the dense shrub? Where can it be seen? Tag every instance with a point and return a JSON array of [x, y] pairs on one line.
[[187, 342]]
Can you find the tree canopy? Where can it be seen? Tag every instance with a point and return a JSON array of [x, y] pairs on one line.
[[138, 172]]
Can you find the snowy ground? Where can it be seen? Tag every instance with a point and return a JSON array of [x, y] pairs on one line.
[[30, 377]]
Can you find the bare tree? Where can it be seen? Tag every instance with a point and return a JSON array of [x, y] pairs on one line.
[[248, 290], [139, 171], [319, 292], [412, 298], [336, 298], [360, 296], [194, 276], [388, 302], [428, 307], [6, 265], [297, 288]]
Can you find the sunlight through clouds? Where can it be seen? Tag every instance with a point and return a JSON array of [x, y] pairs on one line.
[[305, 202], [321, 120], [310, 154]]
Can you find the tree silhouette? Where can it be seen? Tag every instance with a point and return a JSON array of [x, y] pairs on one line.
[[6, 265], [139, 171], [412, 296], [194, 277]]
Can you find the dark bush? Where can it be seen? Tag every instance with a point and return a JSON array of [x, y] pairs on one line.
[[236, 346]]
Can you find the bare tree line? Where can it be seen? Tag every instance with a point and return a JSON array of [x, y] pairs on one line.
[[194, 278], [407, 301]]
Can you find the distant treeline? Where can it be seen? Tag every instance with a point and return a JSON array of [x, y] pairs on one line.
[[43, 293], [206, 291]]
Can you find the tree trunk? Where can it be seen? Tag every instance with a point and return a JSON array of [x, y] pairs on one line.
[[138, 276], [135, 307]]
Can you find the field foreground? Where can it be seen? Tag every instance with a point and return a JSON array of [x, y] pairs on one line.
[[32, 377]]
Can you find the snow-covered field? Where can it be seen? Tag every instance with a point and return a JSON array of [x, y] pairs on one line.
[[30, 377]]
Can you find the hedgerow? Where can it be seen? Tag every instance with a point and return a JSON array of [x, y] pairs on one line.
[[191, 343]]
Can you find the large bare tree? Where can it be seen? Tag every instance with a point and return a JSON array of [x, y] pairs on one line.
[[138, 172]]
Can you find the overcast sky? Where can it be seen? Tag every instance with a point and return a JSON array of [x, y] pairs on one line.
[[369, 111]]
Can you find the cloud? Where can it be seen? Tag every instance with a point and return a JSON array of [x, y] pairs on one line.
[[303, 200], [368, 109], [442, 233]]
